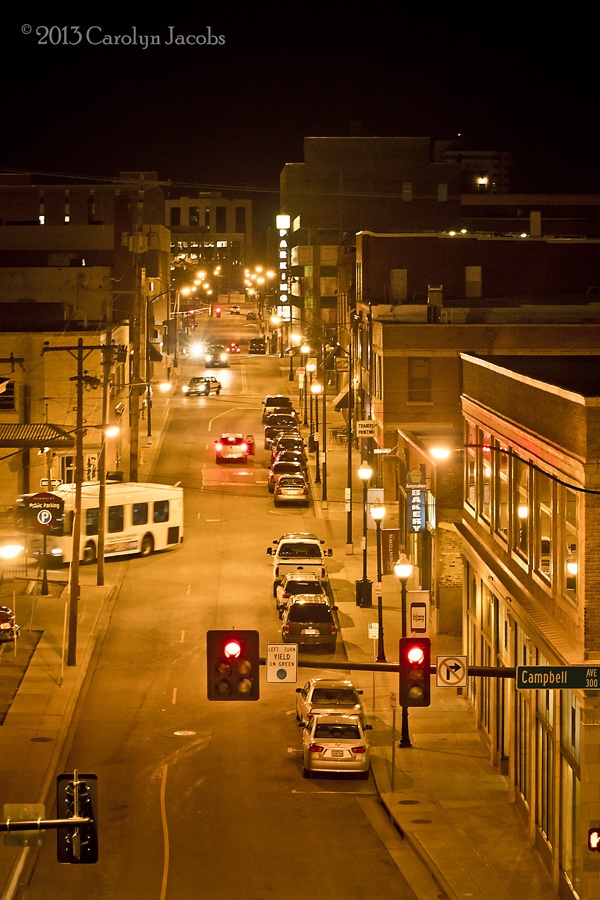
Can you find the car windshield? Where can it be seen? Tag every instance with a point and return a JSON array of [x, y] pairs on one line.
[[303, 587], [304, 551], [311, 612], [288, 481], [335, 731], [339, 697]]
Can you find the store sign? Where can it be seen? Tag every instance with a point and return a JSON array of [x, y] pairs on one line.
[[416, 500]]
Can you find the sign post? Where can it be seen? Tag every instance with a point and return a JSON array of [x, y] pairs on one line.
[[46, 508]]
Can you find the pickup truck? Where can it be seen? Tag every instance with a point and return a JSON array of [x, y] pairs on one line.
[[298, 552]]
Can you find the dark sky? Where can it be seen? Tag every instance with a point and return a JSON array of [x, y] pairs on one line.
[[231, 114]]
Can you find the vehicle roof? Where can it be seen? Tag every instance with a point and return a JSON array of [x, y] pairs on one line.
[[298, 535], [291, 478], [331, 683], [227, 436], [268, 401], [337, 719]]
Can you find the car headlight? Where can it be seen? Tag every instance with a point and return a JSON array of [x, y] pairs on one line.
[[185, 389]]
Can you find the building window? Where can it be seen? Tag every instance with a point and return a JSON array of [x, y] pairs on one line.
[[570, 553], [570, 789], [419, 380], [470, 467], [207, 218], [473, 276], [544, 524], [407, 191], [521, 508], [175, 215], [484, 456], [7, 396], [240, 219], [221, 219], [442, 192], [194, 215], [501, 491]]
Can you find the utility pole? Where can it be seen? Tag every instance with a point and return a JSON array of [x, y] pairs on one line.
[[91, 383]]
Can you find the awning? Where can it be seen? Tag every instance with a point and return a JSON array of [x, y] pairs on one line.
[[341, 401], [35, 435]]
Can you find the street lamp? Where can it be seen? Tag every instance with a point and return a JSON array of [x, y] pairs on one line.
[[378, 513], [403, 570], [316, 389], [363, 587], [305, 350]]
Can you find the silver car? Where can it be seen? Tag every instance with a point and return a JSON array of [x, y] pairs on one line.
[[335, 744], [291, 489], [323, 696], [296, 584]]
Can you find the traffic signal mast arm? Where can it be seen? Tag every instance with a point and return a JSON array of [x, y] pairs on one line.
[[484, 671]]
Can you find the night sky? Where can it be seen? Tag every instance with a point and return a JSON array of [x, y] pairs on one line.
[[230, 112]]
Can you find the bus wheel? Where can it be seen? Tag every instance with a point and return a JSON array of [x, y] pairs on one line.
[[147, 548], [89, 554]]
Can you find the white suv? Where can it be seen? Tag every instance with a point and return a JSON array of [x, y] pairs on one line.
[[298, 552]]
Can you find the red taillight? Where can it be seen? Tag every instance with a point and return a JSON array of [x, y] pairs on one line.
[[359, 749], [286, 629], [323, 572], [333, 629], [219, 447], [286, 596], [244, 448], [314, 748]]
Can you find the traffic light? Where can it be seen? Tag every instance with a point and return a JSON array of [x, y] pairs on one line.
[[415, 654], [77, 795], [232, 665], [594, 839]]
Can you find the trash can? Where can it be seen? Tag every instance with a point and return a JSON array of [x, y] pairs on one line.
[[364, 593]]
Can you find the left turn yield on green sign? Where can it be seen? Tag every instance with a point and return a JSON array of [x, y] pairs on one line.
[[282, 663]]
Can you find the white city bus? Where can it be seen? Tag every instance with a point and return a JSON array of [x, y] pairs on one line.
[[140, 519]]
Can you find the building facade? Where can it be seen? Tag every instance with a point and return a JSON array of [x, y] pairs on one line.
[[531, 581]]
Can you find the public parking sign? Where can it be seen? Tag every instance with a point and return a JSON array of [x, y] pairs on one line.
[[45, 509]]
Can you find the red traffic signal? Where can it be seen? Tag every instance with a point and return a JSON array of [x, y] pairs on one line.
[[415, 661], [232, 665]]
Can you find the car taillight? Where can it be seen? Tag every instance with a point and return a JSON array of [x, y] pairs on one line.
[[314, 748], [219, 447], [333, 629], [244, 448], [286, 629], [277, 572], [359, 749], [323, 572]]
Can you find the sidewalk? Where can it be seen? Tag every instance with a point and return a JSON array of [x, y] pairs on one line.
[[446, 798]]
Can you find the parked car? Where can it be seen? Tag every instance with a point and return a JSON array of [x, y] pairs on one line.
[[283, 468], [9, 630], [232, 446], [279, 424], [273, 401], [325, 696], [298, 584], [216, 357], [202, 385], [288, 442], [290, 456], [291, 489], [235, 310], [309, 623], [251, 316], [257, 345], [335, 744], [298, 552]]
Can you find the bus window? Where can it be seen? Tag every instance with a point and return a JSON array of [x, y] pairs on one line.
[[161, 511], [91, 520], [115, 518], [139, 513]]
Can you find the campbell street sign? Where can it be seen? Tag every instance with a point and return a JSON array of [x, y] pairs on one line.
[[547, 678]]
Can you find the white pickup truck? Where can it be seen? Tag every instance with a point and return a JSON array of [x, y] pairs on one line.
[[298, 552]]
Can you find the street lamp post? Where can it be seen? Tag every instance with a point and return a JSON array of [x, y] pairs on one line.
[[305, 350], [363, 587], [316, 389], [311, 368], [378, 513], [403, 570]]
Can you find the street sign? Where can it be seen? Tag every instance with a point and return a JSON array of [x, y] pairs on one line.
[[46, 508], [365, 428], [451, 671], [282, 663], [373, 630], [418, 613], [54, 483], [548, 678]]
